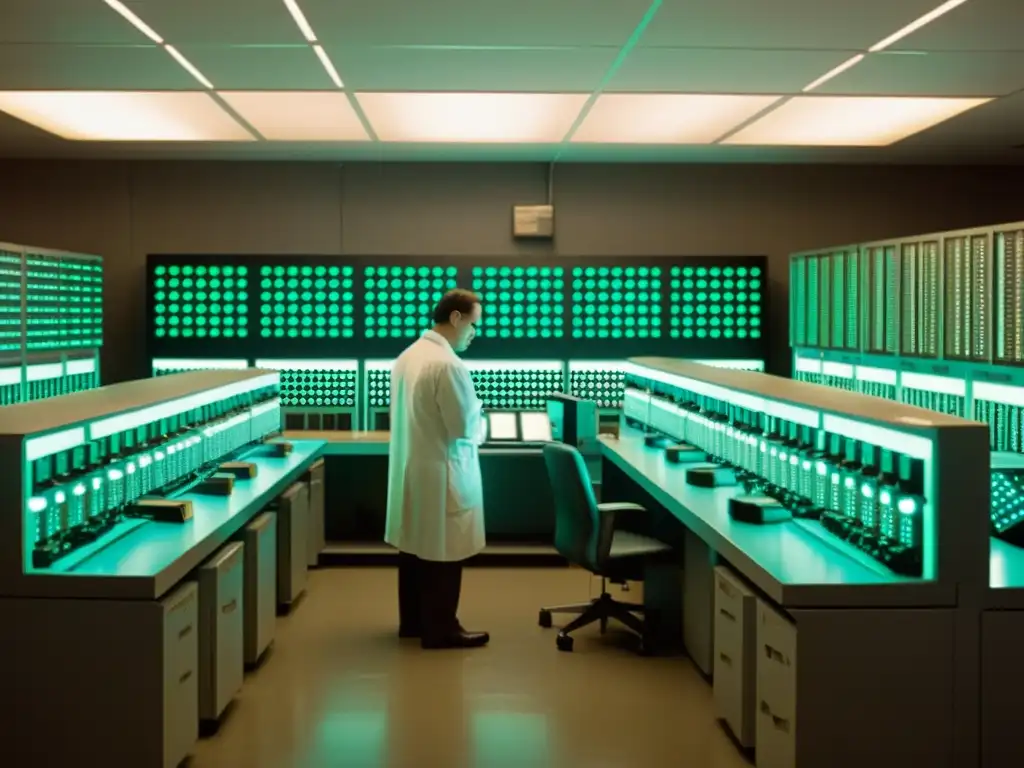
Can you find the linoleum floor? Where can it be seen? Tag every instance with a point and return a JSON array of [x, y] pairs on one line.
[[338, 688]]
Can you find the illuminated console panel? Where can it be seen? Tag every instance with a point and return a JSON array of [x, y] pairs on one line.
[[51, 322], [79, 462], [850, 468]]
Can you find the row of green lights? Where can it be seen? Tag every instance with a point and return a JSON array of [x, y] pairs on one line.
[[189, 320], [754, 322], [716, 309], [410, 271], [409, 284], [518, 271], [307, 333], [306, 296], [714, 333], [227, 283], [616, 322], [306, 309], [738, 284], [715, 271], [306, 271], [518, 285], [309, 322], [533, 297], [603, 333], [714, 296], [616, 271], [188, 269], [201, 332], [305, 284], [529, 333], [394, 333], [616, 285], [200, 309]]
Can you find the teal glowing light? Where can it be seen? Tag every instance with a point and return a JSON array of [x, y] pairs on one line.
[[521, 302], [715, 302], [616, 302], [307, 302], [399, 300], [201, 301]]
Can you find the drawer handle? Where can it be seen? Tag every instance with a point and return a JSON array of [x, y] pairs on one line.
[[184, 677], [726, 658], [776, 655], [780, 723], [729, 615], [185, 632], [230, 607], [726, 587]]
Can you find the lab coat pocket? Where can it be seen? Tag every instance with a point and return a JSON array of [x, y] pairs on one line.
[[464, 487]]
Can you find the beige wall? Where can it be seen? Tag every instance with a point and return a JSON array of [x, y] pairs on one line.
[[125, 210]]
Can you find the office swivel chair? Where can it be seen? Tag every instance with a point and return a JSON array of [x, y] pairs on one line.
[[585, 535]]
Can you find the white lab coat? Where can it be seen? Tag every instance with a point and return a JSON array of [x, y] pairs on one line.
[[435, 492]]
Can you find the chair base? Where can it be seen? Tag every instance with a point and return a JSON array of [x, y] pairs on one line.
[[600, 609]]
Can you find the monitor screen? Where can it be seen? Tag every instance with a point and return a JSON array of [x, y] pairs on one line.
[[535, 427], [502, 426]]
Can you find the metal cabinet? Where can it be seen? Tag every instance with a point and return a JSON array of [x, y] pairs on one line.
[[260, 590], [316, 540], [775, 731], [292, 509], [735, 660], [221, 630]]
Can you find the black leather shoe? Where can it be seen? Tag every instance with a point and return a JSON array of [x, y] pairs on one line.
[[457, 640], [408, 632]]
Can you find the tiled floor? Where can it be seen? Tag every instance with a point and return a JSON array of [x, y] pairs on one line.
[[339, 688]]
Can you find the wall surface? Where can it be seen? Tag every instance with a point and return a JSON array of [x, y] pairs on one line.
[[124, 211]]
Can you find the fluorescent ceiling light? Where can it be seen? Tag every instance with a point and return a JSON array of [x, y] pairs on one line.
[[189, 67], [125, 116], [472, 117], [300, 20], [833, 72], [298, 115], [666, 118], [916, 25], [135, 21], [856, 121], [328, 65]]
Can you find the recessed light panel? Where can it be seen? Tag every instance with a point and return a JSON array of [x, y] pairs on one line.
[[472, 117], [124, 116], [298, 115], [849, 120], [666, 118]]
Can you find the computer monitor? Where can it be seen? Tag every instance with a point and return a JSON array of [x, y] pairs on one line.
[[502, 425], [534, 427]]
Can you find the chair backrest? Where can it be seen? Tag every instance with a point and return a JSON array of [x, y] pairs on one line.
[[578, 531]]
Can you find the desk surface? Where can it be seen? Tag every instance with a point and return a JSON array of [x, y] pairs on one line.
[[149, 560], [344, 443], [786, 561]]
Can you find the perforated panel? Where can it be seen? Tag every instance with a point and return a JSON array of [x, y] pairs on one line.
[[307, 302], [1009, 296], [602, 383], [318, 388], [517, 387], [201, 301], [522, 302], [10, 301], [399, 300], [616, 302], [715, 302]]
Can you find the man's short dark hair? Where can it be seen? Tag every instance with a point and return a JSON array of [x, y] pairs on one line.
[[456, 300]]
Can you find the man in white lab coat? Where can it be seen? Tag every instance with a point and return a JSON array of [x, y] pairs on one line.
[[435, 494]]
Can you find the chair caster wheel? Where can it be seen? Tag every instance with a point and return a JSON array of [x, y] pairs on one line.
[[545, 618], [564, 643]]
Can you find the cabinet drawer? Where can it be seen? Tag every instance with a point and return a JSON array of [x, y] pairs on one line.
[[735, 647], [776, 662], [221, 631], [776, 739], [180, 674]]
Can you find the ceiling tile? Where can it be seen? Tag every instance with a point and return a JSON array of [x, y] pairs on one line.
[[708, 70], [855, 121], [90, 67], [260, 67], [932, 74], [999, 123], [63, 21], [666, 118], [303, 116], [815, 24], [495, 69], [986, 25], [218, 22], [125, 116], [476, 22], [472, 117]]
